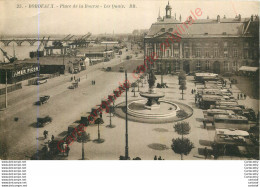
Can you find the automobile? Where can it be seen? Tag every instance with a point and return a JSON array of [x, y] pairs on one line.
[[41, 122], [128, 57], [38, 82], [121, 69], [42, 100], [108, 69], [74, 85]]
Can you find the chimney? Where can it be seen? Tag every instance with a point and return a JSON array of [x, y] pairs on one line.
[[239, 17], [218, 18]]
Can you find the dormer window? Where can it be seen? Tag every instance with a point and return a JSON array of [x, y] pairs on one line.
[[162, 29]]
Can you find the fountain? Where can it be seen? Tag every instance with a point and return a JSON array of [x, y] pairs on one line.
[[152, 109]]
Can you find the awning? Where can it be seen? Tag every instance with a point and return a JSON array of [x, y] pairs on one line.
[[248, 68]]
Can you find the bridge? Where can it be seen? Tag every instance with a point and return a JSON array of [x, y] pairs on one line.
[[19, 42]]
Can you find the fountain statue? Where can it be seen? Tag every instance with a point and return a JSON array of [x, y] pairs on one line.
[[152, 96]]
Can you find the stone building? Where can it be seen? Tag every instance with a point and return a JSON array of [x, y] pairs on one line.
[[202, 45]]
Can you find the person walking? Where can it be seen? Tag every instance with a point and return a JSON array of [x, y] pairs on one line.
[[67, 150], [191, 91], [100, 115], [94, 82], [206, 152], [52, 138], [45, 133], [204, 124], [155, 157]]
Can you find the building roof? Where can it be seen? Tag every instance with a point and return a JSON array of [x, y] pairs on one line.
[[227, 27], [231, 132], [248, 68], [16, 65]]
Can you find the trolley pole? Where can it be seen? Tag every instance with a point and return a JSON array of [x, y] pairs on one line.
[[5, 88], [126, 120]]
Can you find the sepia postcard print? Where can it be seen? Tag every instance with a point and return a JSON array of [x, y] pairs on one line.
[[129, 80]]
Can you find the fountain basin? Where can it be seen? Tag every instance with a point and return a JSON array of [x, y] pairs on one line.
[[166, 109]]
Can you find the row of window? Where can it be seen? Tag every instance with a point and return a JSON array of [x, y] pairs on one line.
[[225, 44], [198, 53], [226, 65]]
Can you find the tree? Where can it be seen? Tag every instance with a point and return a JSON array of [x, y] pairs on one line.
[[182, 87], [84, 138], [134, 85], [181, 76], [182, 146], [182, 128]]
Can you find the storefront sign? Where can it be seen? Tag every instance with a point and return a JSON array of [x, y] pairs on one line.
[[25, 71]]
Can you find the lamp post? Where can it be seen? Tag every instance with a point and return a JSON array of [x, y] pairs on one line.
[[126, 123], [6, 88], [161, 71]]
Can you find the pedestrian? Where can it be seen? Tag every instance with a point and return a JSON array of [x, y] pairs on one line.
[[155, 157], [64, 147], [45, 133], [159, 158], [204, 124], [244, 96], [94, 82], [67, 150], [191, 91], [205, 152], [52, 138], [195, 99], [100, 115]]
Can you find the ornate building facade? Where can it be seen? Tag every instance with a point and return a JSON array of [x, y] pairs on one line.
[[203, 45]]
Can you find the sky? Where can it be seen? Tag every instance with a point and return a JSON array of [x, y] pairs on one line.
[[25, 20]]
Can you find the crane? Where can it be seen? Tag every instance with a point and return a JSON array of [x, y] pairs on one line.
[[9, 58], [40, 44]]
